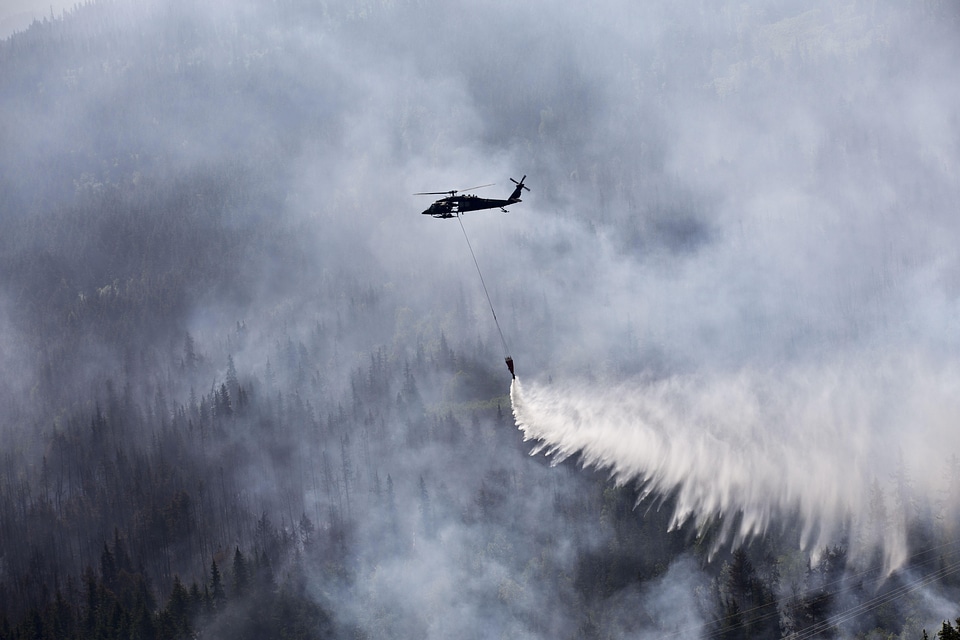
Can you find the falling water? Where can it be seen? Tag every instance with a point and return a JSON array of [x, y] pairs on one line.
[[846, 448]]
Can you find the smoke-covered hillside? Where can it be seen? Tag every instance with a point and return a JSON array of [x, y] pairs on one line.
[[246, 390]]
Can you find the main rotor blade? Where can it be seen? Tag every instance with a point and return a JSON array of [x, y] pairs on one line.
[[452, 192], [478, 187]]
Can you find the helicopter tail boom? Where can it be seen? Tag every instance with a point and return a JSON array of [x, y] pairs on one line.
[[515, 196]]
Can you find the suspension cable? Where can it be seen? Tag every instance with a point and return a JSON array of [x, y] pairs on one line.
[[503, 342]]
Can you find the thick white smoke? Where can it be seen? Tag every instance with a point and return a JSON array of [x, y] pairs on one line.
[[795, 320], [856, 450]]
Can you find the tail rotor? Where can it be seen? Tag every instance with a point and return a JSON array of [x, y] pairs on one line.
[[515, 196]]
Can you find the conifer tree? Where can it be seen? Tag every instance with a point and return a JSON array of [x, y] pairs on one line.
[[233, 382], [241, 576], [948, 631], [108, 568], [217, 594], [178, 609]]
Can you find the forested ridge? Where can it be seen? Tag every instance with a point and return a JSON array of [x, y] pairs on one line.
[[226, 415]]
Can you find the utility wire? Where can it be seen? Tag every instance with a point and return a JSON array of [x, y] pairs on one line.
[[953, 566], [878, 601]]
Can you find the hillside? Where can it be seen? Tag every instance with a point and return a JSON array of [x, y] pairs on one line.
[[247, 391]]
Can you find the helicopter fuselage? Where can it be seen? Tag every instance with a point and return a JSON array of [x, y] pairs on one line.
[[455, 203]]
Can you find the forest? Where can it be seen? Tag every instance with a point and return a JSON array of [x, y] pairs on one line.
[[246, 393]]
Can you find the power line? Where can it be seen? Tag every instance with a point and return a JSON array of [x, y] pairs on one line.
[[951, 567], [880, 600]]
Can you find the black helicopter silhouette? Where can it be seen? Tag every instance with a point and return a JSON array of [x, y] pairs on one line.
[[454, 205]]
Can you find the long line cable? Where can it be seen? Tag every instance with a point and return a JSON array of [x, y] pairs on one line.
[[506, 353]]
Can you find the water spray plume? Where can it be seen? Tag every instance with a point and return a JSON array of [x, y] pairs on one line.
[[848, 448]]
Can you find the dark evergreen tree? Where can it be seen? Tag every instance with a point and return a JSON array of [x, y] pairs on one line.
[[948, 631], [222, 402], [108, 568], [749, 608], [241, 574], [178, 610], [232, 381], [142, 622], [61, 619], [426, 510], [92, 602], [217, 595], [190, 359]]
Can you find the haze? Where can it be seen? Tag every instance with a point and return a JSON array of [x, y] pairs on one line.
[[732, 288]]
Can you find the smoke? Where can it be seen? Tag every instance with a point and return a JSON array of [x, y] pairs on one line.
[[17, 15], [673, 605], [737, 260], [760, 324]]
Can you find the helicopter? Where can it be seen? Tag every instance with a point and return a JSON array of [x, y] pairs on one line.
[[454, 205]]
